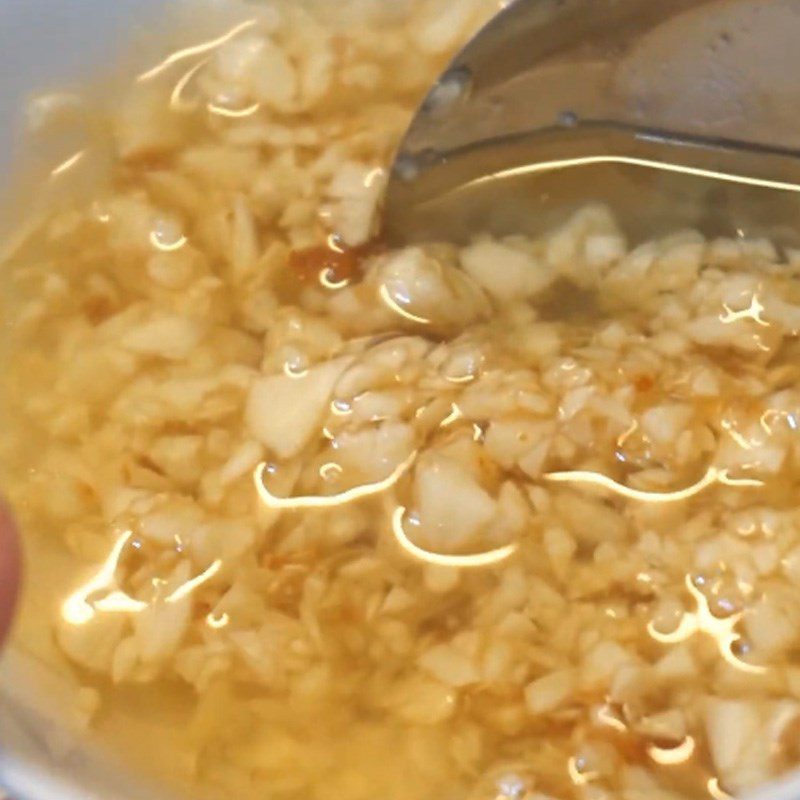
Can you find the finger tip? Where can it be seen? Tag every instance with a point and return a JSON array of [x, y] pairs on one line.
[[9, 570]]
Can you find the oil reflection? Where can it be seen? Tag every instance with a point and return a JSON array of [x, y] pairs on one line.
[[454, 415], [332, 500], [233, 113], [292, 370], [607, 716], [578, 773], [703, 621], [585, 161], [330, 471], [158, 240], [712, 476], [176, 99], [716, 792], [79, 608], [459, 378], [670, 756], [768, 418], [67, 164], [341, 408], [737, 437], [752, 312], [218, 622], [334, 243], [472, 561], [184, 590], [328, 280], [622, 439], [689, 625], [195, 50], [394, 306]]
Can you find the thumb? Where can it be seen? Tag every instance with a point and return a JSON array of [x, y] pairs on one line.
[[9, 570]]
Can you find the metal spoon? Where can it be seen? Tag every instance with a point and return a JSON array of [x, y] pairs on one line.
[[676, 113]]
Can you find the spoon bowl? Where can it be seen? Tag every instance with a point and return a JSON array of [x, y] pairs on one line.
[[679, 113]]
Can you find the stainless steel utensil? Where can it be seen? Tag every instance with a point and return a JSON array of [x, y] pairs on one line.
[[675, 112]]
